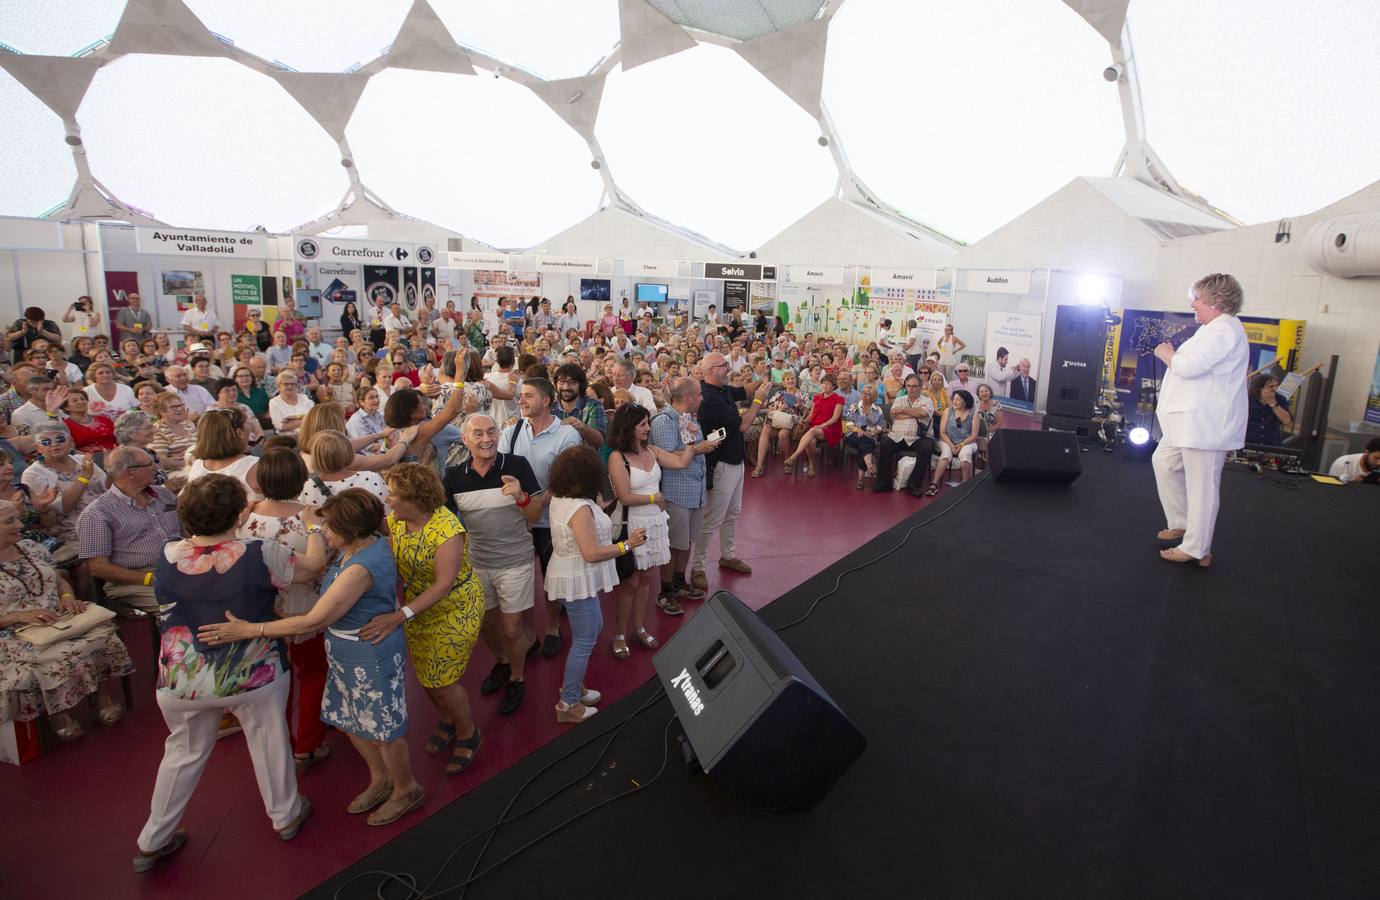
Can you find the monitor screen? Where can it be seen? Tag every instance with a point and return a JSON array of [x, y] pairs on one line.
[[594, 289], [652, 293]]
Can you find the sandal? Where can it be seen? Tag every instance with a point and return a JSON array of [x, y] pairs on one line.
[[670, 605], [66, 728], [758, 472], [859, 485], [441, 738], [790, 469], [304, 761], [932, 490], [460, 763], [646, 639], [394, 810], [372, 797], [110, 713], [621, 652], [809, 471]]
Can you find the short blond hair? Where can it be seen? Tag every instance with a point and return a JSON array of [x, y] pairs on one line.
[[331, 452], [1221, 291]]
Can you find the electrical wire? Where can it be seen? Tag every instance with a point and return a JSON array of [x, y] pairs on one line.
[[838, 581], [409, 881]]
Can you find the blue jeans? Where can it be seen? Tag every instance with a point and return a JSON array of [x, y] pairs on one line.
[[586, 621]]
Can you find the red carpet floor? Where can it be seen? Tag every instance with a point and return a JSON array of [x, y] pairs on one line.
[[72, 816]]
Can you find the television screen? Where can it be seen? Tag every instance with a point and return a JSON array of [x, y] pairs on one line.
[[652, 293], [594, 289]]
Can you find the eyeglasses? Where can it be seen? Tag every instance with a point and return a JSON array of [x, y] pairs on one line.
[[52, 441]]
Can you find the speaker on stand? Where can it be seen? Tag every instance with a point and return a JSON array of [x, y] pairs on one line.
[[1075, 376]]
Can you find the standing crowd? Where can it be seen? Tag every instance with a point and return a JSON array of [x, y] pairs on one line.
[[306, 517]]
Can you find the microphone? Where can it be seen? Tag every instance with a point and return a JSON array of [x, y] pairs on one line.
[[1177, 340]]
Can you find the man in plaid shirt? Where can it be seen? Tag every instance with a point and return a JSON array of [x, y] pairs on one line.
[[673, 429]]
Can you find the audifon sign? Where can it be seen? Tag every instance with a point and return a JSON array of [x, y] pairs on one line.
[[739, 271], [988, 281]]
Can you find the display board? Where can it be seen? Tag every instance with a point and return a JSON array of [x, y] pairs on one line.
[[1372, 414], [1019, 334]]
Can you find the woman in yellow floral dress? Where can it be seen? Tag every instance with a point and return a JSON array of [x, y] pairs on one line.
[[444, 608]]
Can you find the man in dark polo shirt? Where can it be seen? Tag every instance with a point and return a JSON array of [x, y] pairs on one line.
[[724, 501], [492, 494]]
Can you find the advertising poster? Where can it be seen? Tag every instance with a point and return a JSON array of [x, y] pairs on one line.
[[381, 283], [493, 283], [428, 285], [735, 295], [180, 284], [118, 287], [1373, 400], [763, 296], [1136, 374], [338, 283], [1019, 334], [930, 318], [409, 289], [246, 292]]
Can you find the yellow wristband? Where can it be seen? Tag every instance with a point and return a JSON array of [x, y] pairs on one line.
[[651, 498], [83, 479], [757, 401], [148, 579]]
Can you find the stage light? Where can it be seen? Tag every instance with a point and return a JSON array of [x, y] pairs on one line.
[[1112, 72], [1092, 290], [1139, 436]]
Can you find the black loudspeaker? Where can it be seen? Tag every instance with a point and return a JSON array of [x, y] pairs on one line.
[[1075, 366], [756, 719], [1050, 457]]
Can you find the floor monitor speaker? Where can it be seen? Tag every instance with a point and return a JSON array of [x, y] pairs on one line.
[[758, 722], [1051, 457]]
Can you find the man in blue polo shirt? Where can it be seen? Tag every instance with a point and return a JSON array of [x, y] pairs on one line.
[[540, 437], [673, 429]]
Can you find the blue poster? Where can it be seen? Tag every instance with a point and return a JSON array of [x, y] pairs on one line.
[[1373, 401]]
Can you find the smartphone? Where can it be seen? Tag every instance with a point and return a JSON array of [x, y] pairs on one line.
[[717, 434]]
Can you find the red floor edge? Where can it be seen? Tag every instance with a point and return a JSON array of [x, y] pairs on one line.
[[73, 814]]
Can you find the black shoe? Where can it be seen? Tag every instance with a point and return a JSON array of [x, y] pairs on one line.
[[512, 698], [536, 645], [915, 490], [882, 488], [498, 677], [550, 645]]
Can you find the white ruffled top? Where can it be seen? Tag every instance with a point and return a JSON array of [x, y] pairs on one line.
[[568, 576]]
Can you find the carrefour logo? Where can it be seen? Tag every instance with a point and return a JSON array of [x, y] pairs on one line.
[[307, 248]]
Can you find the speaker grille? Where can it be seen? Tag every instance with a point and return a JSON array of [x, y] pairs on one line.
[[750, 625]]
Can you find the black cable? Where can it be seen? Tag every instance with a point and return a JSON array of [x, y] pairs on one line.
[[906, 537], [407, 880]]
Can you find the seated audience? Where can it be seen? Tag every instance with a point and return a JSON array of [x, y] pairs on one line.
[[1354, 468], [122, 532], [958, 435], [825, 423], [174, 434], [289, 408], [864, 423], [222, 448], [911, 414]]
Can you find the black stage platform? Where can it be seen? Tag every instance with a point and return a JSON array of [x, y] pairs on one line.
[[1051, 710]]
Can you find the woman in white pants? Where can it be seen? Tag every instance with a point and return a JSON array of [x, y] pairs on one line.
[[1202, 415], [197, 581]]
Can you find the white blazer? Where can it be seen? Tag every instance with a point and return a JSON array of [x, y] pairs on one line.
[[1203, 396]]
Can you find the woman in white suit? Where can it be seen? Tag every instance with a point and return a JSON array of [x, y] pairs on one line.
[[1202, 415]]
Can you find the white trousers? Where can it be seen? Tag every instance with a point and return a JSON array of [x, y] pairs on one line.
[[1190, 486], [721, 509], [193, 725]]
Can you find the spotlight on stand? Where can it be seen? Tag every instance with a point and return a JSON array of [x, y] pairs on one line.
[[1139, 444], [1092, 290]]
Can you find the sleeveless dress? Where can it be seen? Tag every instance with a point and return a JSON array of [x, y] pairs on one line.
[[366, 689], [236, 470], [657, 550], [442, 637], [569, 577]]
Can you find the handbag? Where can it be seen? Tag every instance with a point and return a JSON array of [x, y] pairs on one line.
[[626, 563], [782, 419], [69, 625]]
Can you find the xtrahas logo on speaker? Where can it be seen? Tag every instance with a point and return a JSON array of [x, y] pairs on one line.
[[1076, 363], [692, 696]]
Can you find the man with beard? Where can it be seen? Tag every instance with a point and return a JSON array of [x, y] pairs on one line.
[[576, 409]]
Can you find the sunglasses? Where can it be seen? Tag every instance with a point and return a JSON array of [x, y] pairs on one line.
[[52, 441]]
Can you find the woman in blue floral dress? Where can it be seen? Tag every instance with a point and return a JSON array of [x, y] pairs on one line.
[[203, 579], [365, 683]]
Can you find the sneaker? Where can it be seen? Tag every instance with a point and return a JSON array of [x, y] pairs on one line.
[[590, 697], [295, 825], [699, 581], [688, 591], [670, 605], [573, 714], [145, 861], [228, 725], [498, 677], [735, 565], [512, 697]]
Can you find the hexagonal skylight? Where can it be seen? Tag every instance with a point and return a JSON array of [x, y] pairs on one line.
[[550, 38], [740, 19], [483, 156], [39, 171], [703, 140], [307, 35], [259, 160], [57, 27]]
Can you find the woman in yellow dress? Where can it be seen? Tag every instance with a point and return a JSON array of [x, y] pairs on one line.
[[444, 608]]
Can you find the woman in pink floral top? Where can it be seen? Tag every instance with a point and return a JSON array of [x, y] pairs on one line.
[[207, 577]]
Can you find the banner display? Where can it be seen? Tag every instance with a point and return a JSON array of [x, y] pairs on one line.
[[1019, 334], [1372, 414], [735, 295], [930, 318], [245, 291], [988, 281], [339, 284], [118, 287], [311, 248], [186, 242], [829, 276], [1131, 366], [651, 268], [491, 283], [582, 264], [381, 283], [428, 285], [409, 289], [916, 279], [762, 295], [470, 261]]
